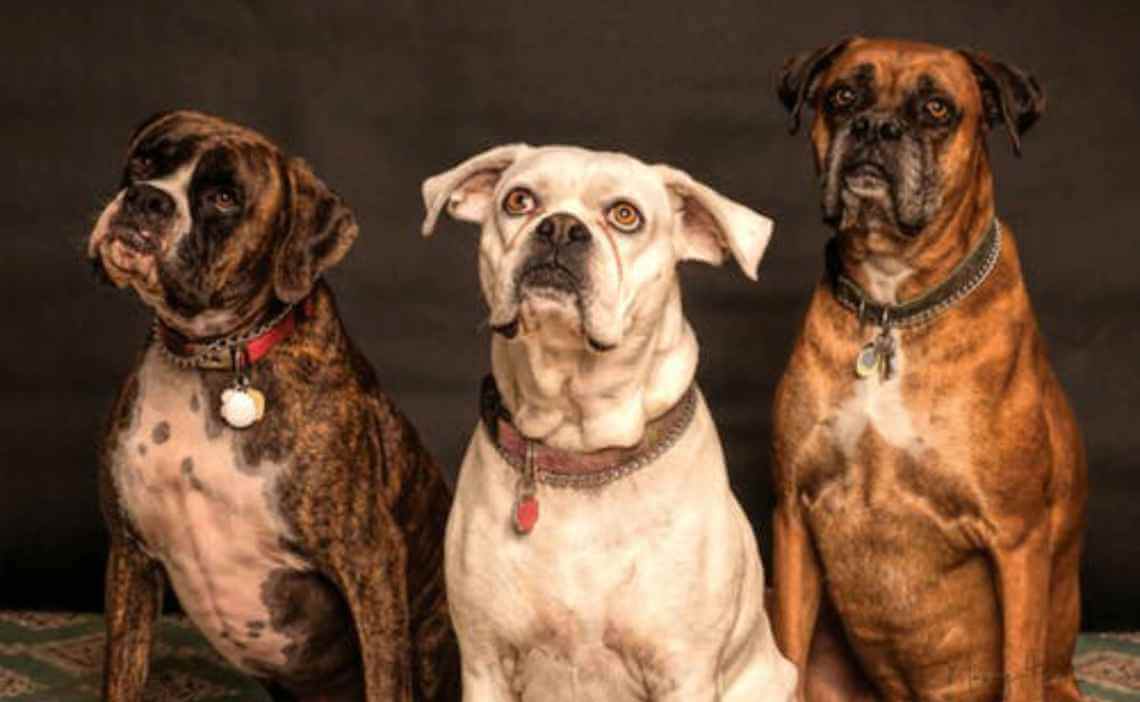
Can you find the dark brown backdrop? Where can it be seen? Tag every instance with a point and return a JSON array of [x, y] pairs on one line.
[[378, 95]]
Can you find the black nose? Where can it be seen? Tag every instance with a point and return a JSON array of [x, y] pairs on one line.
[[149, 203], [562, 230], [870, 127]]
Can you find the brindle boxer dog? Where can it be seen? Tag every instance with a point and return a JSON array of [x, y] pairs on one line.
[[929, 470], [307, 546]]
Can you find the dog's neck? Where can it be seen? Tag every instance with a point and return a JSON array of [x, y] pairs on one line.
[[210, 325], [893, 270], [577, 399]]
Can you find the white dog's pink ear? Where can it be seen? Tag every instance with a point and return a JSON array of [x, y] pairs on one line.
[[710, 227], [466, 189]]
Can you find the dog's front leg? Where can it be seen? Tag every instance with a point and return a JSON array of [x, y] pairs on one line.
[[373, 578], [133, 599], [1023, 589], [798, 584]]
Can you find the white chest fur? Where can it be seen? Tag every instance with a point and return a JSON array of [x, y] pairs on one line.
[[877, 403], [207, 517], [650, 587]]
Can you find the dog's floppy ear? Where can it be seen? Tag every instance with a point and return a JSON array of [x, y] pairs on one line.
[[710, 227], [466, 189], [797, 80], [320, 230], [1010, 96]]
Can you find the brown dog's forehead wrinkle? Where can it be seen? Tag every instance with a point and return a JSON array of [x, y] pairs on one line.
[[254, 163], [894, 50], [172, 143], [898, 67]]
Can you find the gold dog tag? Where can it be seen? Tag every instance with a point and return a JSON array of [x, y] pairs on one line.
[[867, 361]]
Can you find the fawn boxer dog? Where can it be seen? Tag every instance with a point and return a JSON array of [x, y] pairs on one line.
[[931, 478], [250, 455], [595, 550]]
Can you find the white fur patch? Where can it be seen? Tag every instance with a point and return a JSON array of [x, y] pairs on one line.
[[212, 524], [177, 185], [878, 404], [884, 276]]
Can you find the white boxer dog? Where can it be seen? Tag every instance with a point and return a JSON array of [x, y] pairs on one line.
[[639, 578]]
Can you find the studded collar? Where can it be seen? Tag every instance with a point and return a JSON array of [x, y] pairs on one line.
[[966, 277], [583, 470], [231, 352]]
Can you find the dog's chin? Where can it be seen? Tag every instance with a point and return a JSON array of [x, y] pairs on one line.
[[865, 200], [866, 204], [129, 260], [553, 312], [205, 326], [542, 307]]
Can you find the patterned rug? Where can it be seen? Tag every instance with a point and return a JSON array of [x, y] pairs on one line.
[[49, 657], [52, 657]]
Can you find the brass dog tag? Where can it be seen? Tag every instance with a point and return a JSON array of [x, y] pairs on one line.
[[867, 361], [877, 356]]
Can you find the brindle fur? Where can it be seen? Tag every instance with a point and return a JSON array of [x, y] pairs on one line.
[[950, 564], [365, 503]]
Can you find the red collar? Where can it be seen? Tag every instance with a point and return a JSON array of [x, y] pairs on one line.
[[233, 352]]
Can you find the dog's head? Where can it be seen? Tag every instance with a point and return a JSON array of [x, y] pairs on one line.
[[586, 242], [899, 128], [212, 223]]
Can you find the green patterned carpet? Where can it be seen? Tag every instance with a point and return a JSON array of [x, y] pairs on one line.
[[52, 657], [1108, 666], [56, 658]]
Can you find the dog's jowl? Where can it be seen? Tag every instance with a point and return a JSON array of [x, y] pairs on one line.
[[251, 459], [595, 551], [931, 478]]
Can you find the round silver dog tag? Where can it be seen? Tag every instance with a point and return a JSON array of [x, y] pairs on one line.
[[242, 406]]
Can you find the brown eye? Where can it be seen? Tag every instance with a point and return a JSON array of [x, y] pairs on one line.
[[843, 97], [624, 216], [518, 202], [223, 199], [937, 108]]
